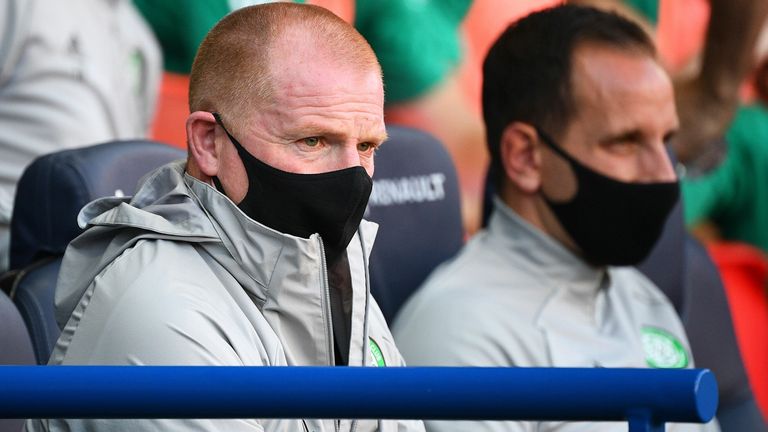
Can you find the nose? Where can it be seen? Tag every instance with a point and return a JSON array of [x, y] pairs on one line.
[[349, 157], [657, 165]]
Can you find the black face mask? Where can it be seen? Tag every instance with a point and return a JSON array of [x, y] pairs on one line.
[[612, 222], [331, 204]]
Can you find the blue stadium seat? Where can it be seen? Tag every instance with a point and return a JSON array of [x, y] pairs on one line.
[[49, 196], [682, 268], [415, 200], [15, 348]]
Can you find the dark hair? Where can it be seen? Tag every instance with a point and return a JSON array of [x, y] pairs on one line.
[[527, 72]]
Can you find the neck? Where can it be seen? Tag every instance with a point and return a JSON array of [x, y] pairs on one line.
[[534, 210], [195, 171]]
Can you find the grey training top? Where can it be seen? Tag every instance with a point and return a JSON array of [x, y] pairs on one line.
[[516, 297]]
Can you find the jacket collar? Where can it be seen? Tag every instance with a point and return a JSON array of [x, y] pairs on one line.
[[238, 232], [577, 302], [260, 258]]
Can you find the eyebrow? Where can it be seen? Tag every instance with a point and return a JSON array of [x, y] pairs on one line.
[[317, 130], [633, 135], [382, 138], [623, 136]]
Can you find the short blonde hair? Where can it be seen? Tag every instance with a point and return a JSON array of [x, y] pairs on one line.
[[231, 71]]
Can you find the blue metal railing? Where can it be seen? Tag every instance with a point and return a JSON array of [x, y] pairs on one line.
[[645, 398]]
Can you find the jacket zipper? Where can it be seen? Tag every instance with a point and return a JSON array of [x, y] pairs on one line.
[[327, 301], [365, 315]]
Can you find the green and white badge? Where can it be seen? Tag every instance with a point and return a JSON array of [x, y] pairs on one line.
[[378, 356], [662, 349]]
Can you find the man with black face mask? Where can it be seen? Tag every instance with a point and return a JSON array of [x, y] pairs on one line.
[[253, 251], [578, 114]]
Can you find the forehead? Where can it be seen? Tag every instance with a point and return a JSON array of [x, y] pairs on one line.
[[312, 87], [611, 83], [301, 62], [325, 81]]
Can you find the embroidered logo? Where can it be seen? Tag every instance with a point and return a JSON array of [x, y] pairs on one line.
[[662, 349], [378, 356]]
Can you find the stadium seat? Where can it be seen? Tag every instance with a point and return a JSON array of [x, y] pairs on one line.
[[415, 200], [744, 270], [15, 348], [681, 267], [49, 197]]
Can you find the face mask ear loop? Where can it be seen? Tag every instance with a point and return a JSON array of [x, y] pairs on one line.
[[546, 139], [217, 117], [549, 142], [240, 149], [216, 181]]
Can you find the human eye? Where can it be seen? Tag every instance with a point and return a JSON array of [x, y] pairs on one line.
[[626, 146], [311, 144], [311, 141], [365, 147], [625, 143]]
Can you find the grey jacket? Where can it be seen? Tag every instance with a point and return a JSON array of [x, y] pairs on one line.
[[516, 297], [180, 276]]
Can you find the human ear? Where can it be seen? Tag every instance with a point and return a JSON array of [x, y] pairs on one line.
[[201, 139], [520, 157]]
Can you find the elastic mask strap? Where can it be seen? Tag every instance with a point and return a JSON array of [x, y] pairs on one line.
[[237, 144], [552, 145], [216, 181]]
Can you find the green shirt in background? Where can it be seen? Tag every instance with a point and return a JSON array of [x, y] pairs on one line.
[[735, 195], [648, 8], [180, 26], [417, 41]]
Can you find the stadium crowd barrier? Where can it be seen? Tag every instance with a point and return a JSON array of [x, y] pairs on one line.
[[645, 398]]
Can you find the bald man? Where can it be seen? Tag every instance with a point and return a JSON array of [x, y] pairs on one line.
[[253, 251]]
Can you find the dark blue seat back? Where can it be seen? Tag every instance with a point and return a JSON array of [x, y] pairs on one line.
[[665, 266], [15, 345], [415, 200], [56, 186], [15, 348], [49, 197], [33, 293]]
